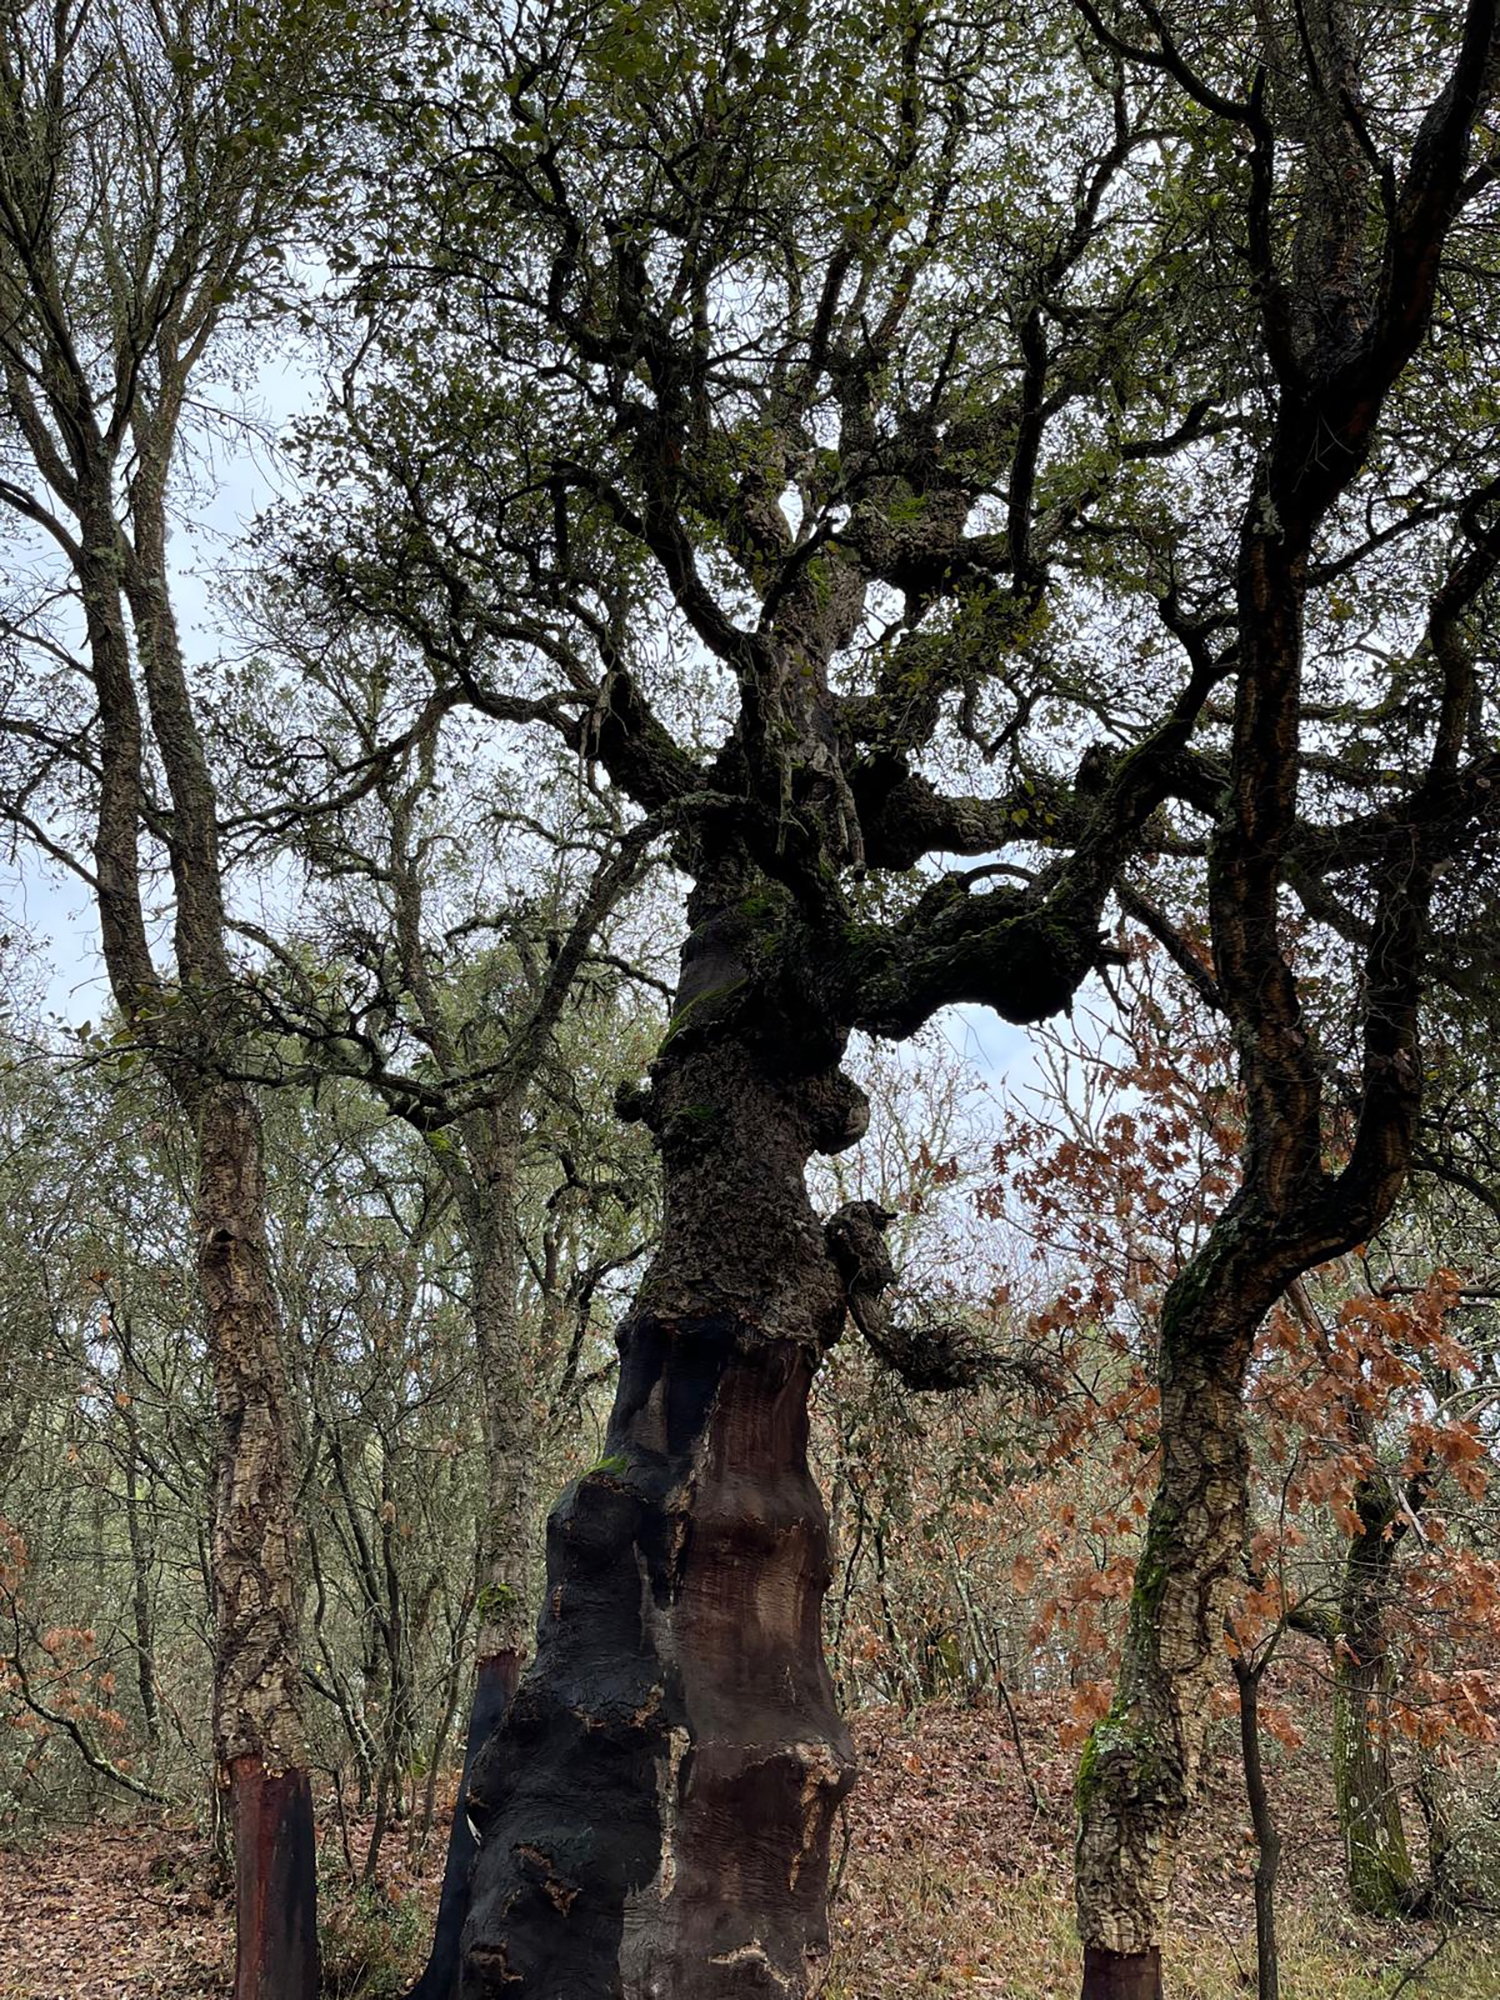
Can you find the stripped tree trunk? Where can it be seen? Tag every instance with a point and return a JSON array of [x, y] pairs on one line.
[[655, 1816]]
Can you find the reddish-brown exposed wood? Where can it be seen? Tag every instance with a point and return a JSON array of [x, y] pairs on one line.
[[1122, 1975], [275, 1877], [655, 1815]]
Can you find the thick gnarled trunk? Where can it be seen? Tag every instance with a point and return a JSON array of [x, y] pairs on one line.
[[258, 1737], [655, 1815]]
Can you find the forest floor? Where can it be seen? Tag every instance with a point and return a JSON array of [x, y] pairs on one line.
[[952, 1879]]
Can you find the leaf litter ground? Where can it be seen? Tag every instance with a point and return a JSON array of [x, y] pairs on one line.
[[950, 1880]]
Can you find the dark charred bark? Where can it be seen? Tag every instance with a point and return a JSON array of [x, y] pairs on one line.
[[494, 1687], [655, 1815]]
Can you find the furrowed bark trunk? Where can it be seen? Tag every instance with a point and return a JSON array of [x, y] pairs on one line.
[[257, 1687], [1369, 1806], [1139, 1772], [258, 1727], [655, 1815], [1379, 1865]]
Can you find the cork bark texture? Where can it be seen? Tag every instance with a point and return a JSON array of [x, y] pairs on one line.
[[257, 1693]]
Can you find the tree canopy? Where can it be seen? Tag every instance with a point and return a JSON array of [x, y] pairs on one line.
[[937, 481]]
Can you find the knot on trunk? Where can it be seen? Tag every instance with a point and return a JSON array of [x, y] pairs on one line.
[[935, 1354], [837, 1111]]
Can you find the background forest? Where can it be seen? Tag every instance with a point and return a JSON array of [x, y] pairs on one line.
[[985, 1544], [765, 742]]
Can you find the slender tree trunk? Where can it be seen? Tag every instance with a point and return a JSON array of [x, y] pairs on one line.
[[1447, 1891], [383, 1785], [400, 1708], [1139, 1772], [655, 1815], [141, 1556], [508, 1391], [505, 1613], [1369, 1806], [1267, 1839], [420, 1831], [1377, 1862], [257, 1685], [258, 1720]]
